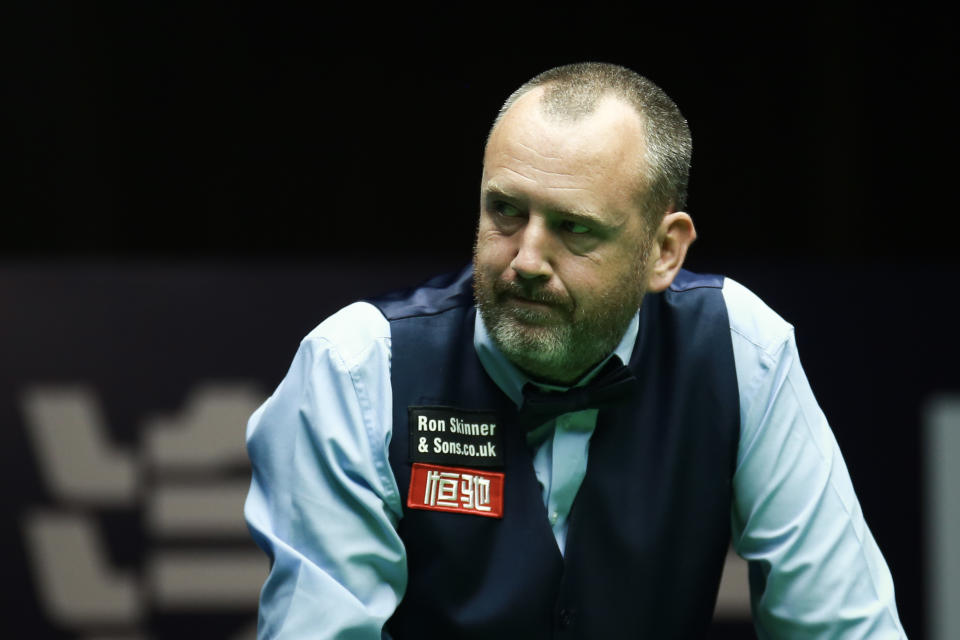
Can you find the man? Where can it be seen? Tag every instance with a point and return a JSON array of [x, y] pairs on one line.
[[432, 472]]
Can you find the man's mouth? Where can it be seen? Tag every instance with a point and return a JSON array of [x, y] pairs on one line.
[[536, 304], [531, 303]]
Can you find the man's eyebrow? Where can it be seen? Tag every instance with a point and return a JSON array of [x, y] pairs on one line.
[[581, 216], [493, 190]]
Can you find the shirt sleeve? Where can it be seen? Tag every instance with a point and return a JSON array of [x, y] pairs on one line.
[[323, 502], [815, 569]]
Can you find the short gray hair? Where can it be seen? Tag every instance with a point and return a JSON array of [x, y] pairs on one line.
[[574, 90]]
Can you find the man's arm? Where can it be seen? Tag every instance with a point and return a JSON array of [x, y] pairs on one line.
[[323, 503], [815, 569]]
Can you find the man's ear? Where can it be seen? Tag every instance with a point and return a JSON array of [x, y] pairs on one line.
[[670, 243]]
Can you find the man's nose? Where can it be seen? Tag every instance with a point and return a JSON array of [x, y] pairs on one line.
[[534, 253]]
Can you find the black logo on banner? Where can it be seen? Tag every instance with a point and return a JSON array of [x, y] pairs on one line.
[[445, 435]]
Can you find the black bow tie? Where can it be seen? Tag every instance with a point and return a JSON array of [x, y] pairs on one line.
[[614, 382]]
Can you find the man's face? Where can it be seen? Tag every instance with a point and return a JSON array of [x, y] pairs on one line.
[[561, 252]]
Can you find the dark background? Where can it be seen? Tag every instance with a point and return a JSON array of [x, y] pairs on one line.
[[259, 136], [150, 129]]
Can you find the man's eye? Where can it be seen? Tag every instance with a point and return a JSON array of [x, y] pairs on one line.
[[574, 227], [506, 209]]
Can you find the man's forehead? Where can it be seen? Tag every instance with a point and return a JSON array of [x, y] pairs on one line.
[[613, 127], [607, 142]]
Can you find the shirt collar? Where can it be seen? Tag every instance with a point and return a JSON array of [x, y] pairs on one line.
[[511, 380]]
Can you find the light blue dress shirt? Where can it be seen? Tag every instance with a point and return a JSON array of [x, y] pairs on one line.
[[324, 504]]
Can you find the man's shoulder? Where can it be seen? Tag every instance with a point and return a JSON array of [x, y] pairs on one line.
[[436, 295], [352, 332], [749, 317], [688, 281], [356, 330], [752, 319]]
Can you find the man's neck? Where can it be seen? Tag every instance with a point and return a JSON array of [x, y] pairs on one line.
[[563, 379]]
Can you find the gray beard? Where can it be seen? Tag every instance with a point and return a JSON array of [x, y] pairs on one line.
[[559, 353]]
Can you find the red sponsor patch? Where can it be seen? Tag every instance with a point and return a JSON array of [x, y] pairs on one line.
[[456, 489]]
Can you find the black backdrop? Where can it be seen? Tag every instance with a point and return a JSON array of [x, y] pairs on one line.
[[825, 131], [150, 137]]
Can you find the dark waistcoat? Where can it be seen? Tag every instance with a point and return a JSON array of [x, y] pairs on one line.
[[650, 525]]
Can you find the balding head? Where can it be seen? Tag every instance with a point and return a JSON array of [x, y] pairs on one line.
[[572, 92]]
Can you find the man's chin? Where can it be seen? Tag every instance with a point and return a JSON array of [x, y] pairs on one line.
[[528, 341], [541, 330], [532, 314]]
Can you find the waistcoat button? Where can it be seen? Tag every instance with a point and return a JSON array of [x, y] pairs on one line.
[[565, 617]]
